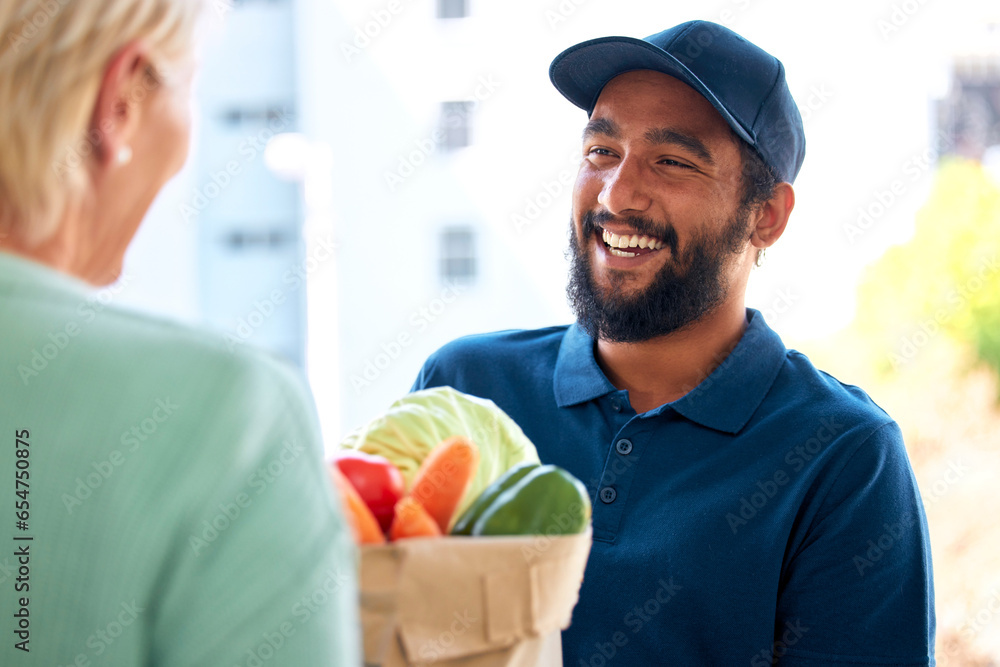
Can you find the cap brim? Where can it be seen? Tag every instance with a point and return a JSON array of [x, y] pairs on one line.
[[581, 72]]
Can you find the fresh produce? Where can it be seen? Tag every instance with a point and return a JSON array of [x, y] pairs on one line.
[[412, 520], [363, 523], [546, 501], [444, 477], [468, 519], [377, 481], [441, 462], [412, 426]]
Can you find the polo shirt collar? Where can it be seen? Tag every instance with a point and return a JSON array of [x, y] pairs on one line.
[[724, 401], [578, 378]]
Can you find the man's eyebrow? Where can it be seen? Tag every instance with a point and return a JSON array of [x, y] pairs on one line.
[[601, 126], [660, 135], [663, 135]]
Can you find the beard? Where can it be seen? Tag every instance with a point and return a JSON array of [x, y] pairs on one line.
[[690, 285]]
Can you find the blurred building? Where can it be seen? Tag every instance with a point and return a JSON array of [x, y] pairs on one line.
[[382, 227], [434, 240], [249, 220], [968, 118]]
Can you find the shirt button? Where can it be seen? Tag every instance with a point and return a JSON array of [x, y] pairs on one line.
[[616, 405], [608, 495], [624, 447]]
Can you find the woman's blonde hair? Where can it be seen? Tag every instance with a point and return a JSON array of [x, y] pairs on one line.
[[53, 54]]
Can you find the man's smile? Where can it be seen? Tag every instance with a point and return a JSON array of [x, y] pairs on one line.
[[630, 245]]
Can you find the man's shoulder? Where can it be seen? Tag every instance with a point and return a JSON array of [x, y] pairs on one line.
[[492, 362], [803, 388], [499, 345]]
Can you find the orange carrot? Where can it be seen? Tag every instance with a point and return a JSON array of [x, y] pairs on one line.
[[363, 523], [444, 477], [410, 519]]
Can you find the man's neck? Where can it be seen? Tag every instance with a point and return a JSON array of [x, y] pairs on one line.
[[661, 370]]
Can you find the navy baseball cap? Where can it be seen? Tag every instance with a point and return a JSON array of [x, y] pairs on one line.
[[744, 83]]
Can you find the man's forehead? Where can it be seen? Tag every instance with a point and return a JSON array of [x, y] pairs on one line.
[[650, 83]]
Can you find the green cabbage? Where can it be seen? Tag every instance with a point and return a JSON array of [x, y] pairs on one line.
[[418, 422]]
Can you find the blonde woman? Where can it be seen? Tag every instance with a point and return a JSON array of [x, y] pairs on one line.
[[163, 500]]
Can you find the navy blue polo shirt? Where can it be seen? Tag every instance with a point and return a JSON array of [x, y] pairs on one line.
[[769, 516]]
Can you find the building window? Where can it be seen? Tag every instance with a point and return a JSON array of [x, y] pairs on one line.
[[236, 116], [458, 255], [264, 239], [452, 9], [456, 125]]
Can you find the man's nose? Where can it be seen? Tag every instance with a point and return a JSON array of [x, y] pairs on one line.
[[624, 189]]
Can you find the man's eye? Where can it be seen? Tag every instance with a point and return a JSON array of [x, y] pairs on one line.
[[599, 153], [675, 163]]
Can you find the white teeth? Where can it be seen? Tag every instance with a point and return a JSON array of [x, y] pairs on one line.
[[634, 241], [621, 253]]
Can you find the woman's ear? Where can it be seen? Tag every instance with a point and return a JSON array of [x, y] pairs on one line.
[[772, 216], [127, 81]]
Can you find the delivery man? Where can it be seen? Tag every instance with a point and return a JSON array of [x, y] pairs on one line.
[[748, 508]]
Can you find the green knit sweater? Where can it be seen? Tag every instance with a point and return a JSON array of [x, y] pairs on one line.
[[162, 497]]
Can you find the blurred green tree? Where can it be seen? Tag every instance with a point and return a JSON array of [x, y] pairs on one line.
[[943, 281]]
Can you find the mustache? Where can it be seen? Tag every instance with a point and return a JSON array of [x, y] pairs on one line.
[[595, 220]]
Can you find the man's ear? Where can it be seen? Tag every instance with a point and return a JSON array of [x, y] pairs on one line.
[[126, 83], [772, 216]]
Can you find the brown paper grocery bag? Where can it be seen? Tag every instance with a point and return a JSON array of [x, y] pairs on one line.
[[470, 601]]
